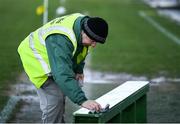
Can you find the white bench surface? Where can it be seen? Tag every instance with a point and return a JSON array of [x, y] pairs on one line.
[[117, 95]]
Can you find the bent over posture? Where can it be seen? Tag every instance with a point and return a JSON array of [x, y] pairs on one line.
[[53, 58]]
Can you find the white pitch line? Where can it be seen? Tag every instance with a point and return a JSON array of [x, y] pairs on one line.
[[8, 109], [159, 27]]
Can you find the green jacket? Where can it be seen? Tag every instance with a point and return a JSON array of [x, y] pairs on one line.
[[63, 65]]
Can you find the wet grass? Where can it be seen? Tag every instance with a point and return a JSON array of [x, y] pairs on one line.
[[16, 109], [3, 101], [18, 19], [133, 45], [163, 103]]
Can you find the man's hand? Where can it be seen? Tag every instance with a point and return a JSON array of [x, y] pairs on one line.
[[80, 79], [92, 105]]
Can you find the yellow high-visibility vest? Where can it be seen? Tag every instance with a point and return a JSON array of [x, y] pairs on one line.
[[32, 49]]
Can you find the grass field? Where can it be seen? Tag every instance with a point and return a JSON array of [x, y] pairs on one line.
[[133, 46], [17, 20]]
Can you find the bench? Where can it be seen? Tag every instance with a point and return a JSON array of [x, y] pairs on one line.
[[127, 104]]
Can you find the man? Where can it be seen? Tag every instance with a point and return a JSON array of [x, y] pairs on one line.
[[53, 58]]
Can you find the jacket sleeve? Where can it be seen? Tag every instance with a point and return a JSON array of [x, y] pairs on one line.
[[60, 50]]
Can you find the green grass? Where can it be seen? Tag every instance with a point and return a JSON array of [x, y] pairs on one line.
[[133, 45], [17, 20], [15, 17], [3, 101]]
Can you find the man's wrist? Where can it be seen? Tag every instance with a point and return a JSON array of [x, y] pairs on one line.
[[82, 101]]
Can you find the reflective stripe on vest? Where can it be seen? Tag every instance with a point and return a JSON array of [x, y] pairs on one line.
[[41, 33], [65, 30], [38, 56]]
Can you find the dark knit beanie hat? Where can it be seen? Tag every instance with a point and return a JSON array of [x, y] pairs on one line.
[[96, 28]]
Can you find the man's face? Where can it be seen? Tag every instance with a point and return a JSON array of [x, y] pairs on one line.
[[86, 41]]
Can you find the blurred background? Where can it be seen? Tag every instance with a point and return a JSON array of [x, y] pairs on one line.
[[143, 44]]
